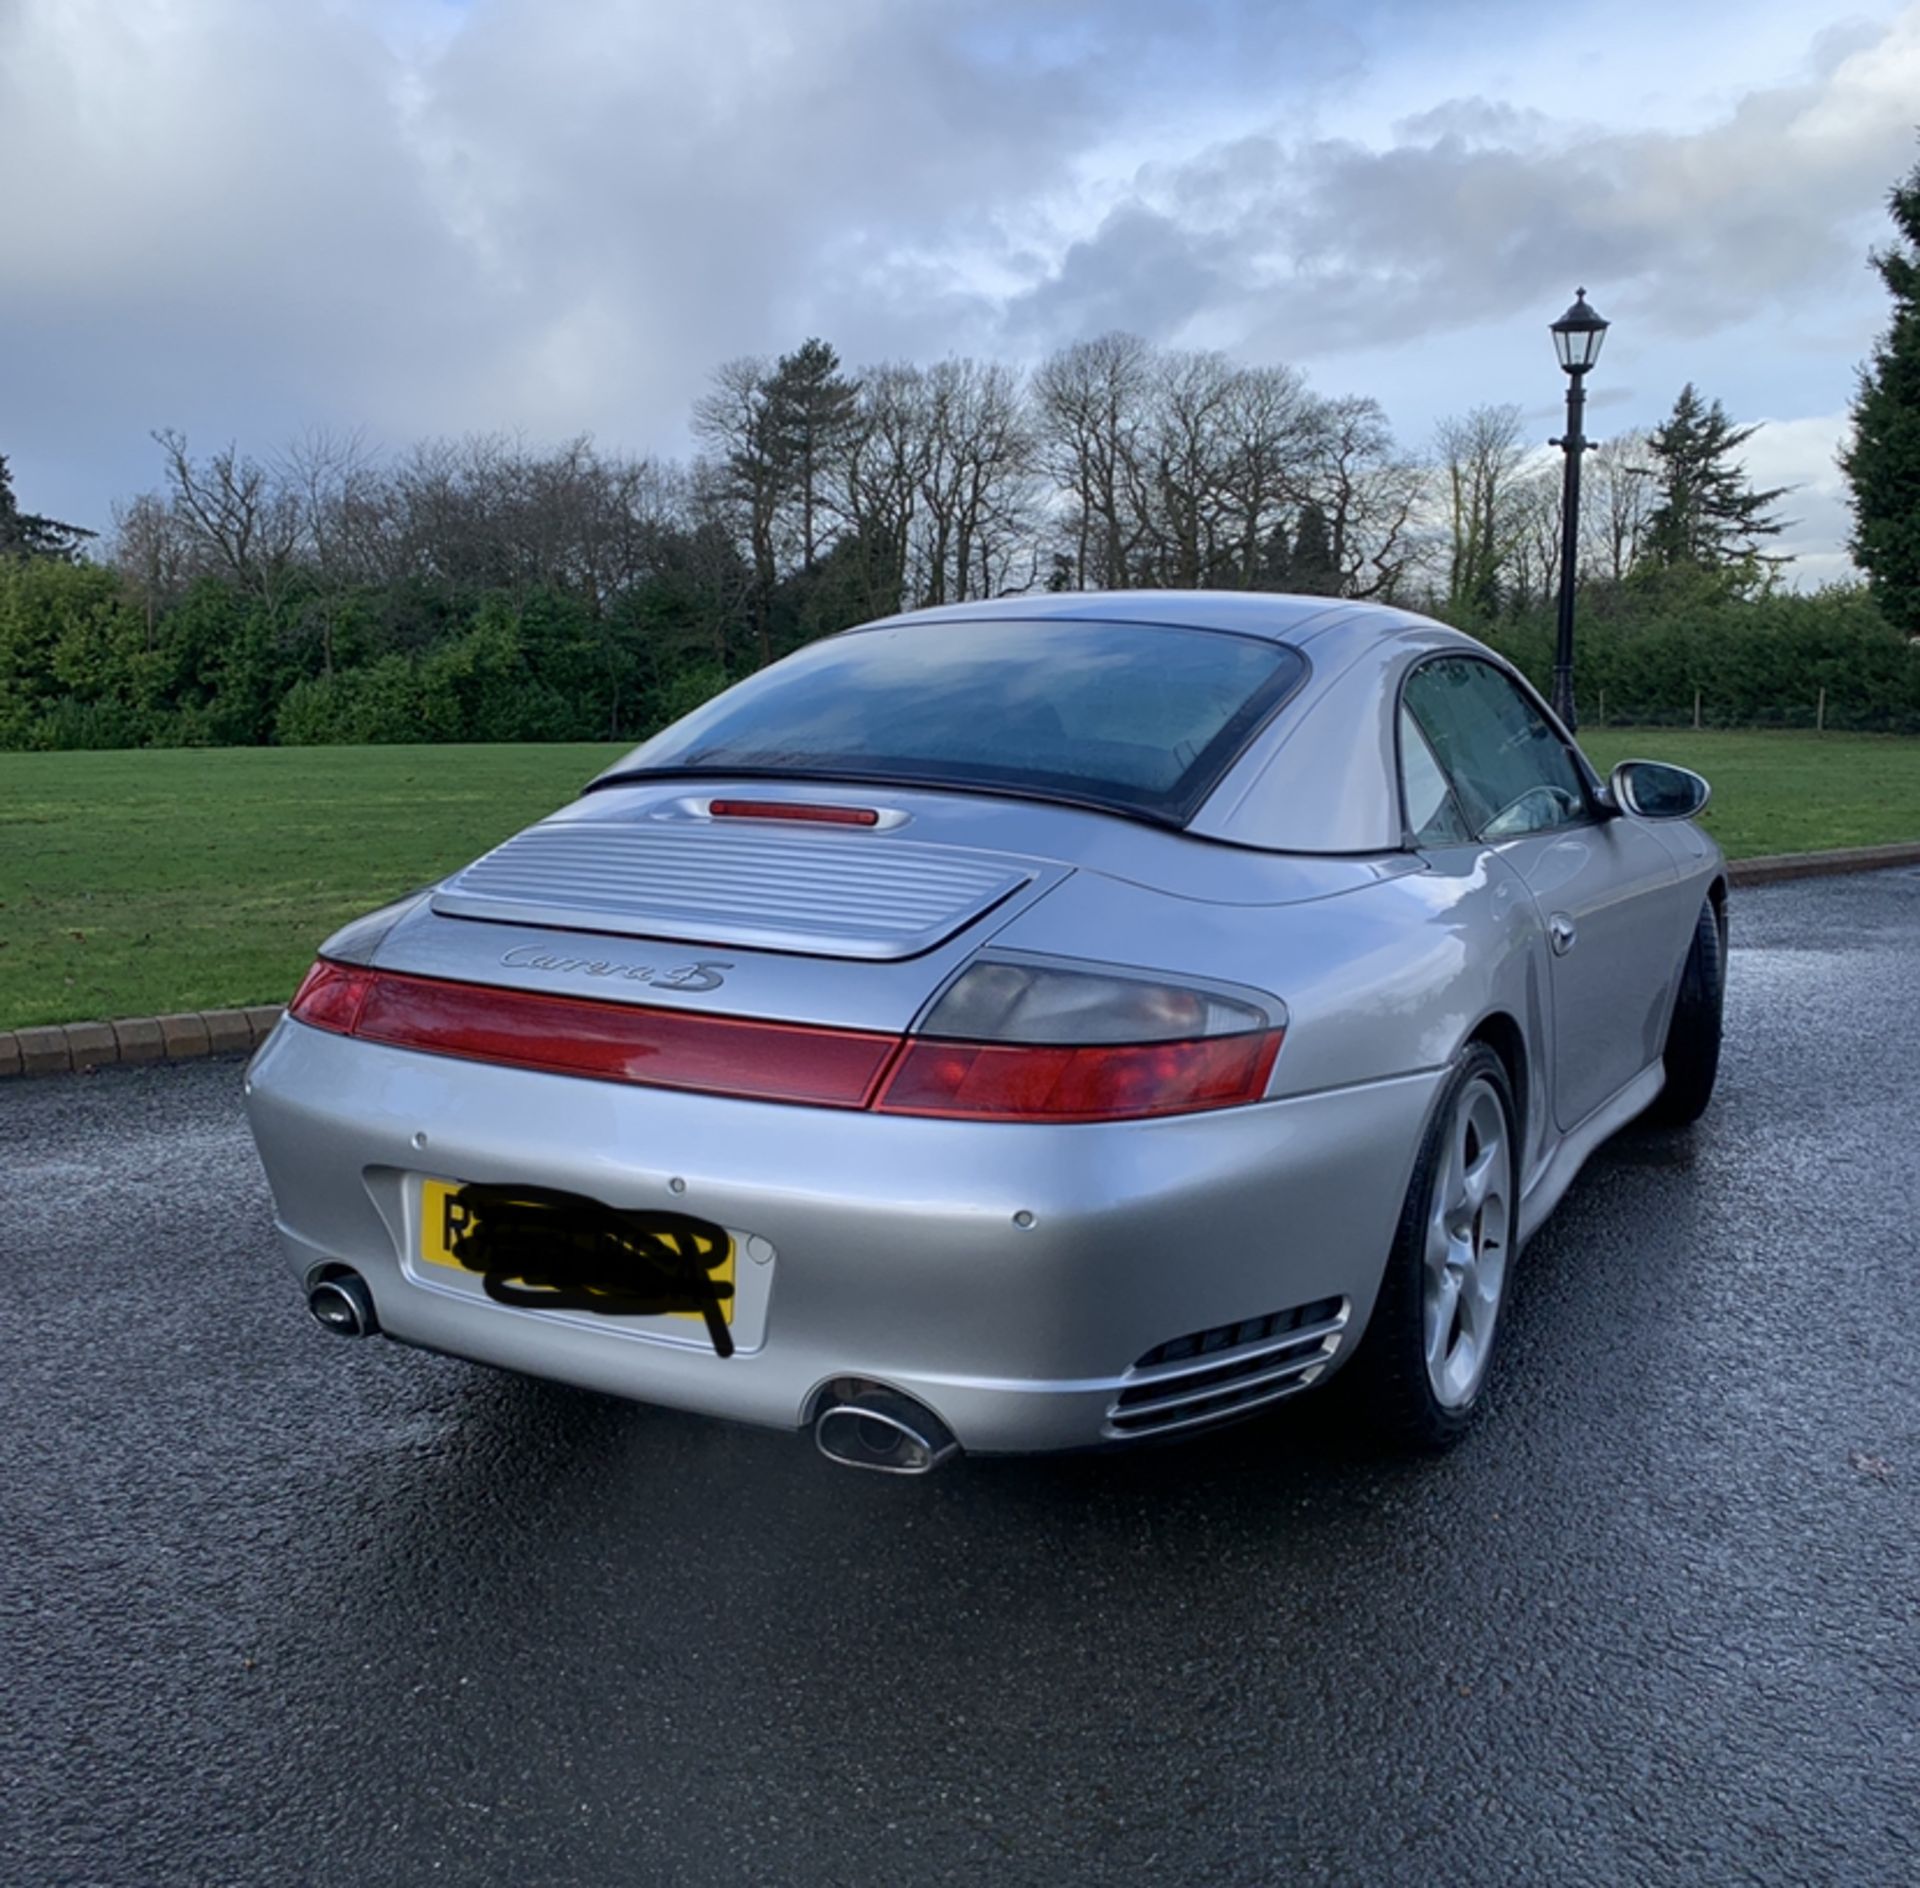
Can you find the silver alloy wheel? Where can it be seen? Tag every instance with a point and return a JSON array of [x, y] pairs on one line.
[[1468, 1233]]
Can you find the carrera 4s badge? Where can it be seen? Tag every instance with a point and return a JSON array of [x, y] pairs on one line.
[[707, 974]]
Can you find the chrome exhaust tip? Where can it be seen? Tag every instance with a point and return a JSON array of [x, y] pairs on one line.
[[342, 1304], [877, 1428]]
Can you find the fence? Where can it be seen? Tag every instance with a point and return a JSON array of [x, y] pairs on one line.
[[1818, 714]]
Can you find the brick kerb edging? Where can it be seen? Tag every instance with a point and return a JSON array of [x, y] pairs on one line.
[[63, 1048], [1779, 865]]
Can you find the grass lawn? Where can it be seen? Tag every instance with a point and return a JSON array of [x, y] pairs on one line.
[[1789, 790], [136, 883]]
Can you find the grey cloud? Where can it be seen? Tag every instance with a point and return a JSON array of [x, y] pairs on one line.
[[254, 219], [1478, 207], [1142, 271], [1474, 121]]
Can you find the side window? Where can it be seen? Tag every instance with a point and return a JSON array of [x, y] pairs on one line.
[[1512, 772], [1433, 814]]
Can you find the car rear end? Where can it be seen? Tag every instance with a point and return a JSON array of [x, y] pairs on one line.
[[973, 1192]]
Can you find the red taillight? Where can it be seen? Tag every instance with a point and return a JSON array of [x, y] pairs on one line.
[[1007, 1081], [794, 809], [795, 1062], [617, 1042], [330, 996]]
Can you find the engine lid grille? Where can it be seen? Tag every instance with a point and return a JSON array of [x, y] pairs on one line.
[[832, 895]]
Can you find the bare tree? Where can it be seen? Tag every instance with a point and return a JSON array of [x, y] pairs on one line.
[[735, 419], [1269, 424], [976, 485], [884, 471], [339, 494], [1622, 491], [1480, 455], [1091, 403], [1185, 449], [340, 488], [1370, 496], [154, 555], [642, 504], [1533, 514], [1230, 450], [721, 587], [453, 502], [992, 435], [245, 520]]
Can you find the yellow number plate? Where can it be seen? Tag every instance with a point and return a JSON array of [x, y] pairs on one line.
[[444, 1217]]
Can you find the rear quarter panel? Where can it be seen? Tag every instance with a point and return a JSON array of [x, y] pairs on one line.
[[1381, 981]]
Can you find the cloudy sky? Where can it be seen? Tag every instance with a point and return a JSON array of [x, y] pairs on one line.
[[244, 219]]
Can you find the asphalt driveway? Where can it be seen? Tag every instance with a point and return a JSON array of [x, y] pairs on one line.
[[279, 1609]]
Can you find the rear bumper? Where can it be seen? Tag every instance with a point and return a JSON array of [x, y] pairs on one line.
[[897, 1248]]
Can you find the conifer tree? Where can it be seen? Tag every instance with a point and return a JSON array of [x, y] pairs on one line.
[[1275, 569], [1708, 514], [1310, 569], [1882, 460], [813, 409], [27, 534]]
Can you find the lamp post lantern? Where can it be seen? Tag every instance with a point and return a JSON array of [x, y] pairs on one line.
[[1576, 340]]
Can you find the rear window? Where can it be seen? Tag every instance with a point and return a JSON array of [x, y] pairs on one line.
[[1127, 716]]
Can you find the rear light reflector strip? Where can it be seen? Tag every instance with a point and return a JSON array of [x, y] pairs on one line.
[[616, 1042]]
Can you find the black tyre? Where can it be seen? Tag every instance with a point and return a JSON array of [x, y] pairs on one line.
[[1423, 1364], [1693, 1036]]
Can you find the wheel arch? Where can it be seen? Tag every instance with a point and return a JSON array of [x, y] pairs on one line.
[[1502, 1033]]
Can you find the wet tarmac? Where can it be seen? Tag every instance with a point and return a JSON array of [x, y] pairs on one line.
[[279, 1609]]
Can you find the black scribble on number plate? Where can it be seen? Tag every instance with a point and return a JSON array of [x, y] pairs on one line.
[[539, 1247]]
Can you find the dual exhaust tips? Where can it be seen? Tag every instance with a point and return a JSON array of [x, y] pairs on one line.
[[860, 1424]]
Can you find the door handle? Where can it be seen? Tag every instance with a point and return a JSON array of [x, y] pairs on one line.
[[1560, 933]]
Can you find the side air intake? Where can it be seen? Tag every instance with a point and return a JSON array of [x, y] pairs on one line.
[[1210, 1375]]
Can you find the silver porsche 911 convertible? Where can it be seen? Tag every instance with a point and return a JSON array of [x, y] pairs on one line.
[[1026, 1025]]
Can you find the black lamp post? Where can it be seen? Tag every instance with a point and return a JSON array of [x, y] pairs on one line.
[[1576, 339]]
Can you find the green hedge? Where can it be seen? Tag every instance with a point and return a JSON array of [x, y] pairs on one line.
[[1755, 663], [81, 666]]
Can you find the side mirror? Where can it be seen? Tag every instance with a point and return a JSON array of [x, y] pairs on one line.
[[1653, 789]]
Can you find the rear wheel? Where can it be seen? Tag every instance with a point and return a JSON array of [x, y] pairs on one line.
[[1693, 1036], [1423, 1363]]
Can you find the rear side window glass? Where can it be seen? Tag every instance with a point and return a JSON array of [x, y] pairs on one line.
[[1433, 814], [1513, 773]]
